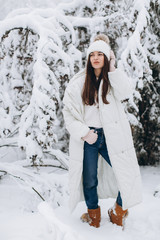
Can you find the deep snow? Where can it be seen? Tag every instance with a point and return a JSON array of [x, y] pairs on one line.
[[24, 216]]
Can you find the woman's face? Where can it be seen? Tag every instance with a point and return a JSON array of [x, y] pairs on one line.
[[97, 60]]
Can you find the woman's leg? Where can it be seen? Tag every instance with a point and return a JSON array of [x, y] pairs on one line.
[[90, 180], [104, 152]]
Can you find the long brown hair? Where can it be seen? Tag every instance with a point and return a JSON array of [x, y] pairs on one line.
[[91, 85]]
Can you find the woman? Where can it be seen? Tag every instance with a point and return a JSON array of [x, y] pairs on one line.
[[103, 162]]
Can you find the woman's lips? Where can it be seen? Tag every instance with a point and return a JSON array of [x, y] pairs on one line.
[[96, 62]]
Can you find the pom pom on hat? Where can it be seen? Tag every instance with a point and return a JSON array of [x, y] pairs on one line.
[[102, 37], [99, 46]]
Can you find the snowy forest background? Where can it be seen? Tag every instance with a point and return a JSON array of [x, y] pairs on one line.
[[42, 45]]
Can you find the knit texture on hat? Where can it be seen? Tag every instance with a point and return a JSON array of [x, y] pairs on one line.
[[99, 46]]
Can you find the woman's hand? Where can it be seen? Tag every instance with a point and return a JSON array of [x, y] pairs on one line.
[[112, 61], [91, 137]]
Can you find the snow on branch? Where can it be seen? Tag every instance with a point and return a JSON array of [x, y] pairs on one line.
[[46, 186]]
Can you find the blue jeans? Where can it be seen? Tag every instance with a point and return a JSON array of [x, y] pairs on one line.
[[90, 164]]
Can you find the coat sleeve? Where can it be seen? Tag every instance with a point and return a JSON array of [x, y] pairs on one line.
[[73, 117], [120, 83]]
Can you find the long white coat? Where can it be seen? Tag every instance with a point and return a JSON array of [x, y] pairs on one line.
[[124, 174]]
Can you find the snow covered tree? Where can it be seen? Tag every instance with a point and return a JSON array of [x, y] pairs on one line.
[[17, 51], [132, 27], [34, 71], [141, 61]]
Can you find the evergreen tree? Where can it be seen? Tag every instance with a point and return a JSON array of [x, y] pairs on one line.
[[132, 27], [37, 64]]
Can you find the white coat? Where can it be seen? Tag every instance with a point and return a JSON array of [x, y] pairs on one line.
[[124, 175]]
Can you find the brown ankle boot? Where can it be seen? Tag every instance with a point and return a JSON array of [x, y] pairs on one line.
[[117, 215], [93, 217]]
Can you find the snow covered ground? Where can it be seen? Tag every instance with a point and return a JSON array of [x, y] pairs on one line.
[[24, 216]]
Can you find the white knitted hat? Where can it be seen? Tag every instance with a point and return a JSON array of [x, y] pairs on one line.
[[99, 46]]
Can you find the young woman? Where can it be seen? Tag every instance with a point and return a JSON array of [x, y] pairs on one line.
[[103, 162]]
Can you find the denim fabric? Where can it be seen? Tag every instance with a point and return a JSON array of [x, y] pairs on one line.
[[90, 164]]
